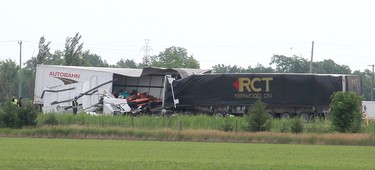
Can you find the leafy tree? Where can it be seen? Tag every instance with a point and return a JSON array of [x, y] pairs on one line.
[[345, 112], [49, 119], [43, 50], [259, 69], [42, 54], [285, 125], [57, 58], [297, 64], [31, 63], [293, 64], [258, 118], [330, 67], [227, 125], [366, 77], [12, 116], [8, 116], [296, 125], [172, 57], [126, 63], [94, 60], [286, 64], [73, 54], [148, 60], [221, 68], [27, 82], [8, 78]]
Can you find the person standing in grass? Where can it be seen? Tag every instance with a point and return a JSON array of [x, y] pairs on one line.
[[75, 105], [19, 102]]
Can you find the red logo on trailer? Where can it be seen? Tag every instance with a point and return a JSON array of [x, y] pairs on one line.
[[65, 77]]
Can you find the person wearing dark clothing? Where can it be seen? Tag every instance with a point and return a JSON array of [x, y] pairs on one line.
[[75, 105], [19, 102]]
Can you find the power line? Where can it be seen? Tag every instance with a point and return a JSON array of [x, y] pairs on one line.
[[8, 41], [349, 45], [32, 42]]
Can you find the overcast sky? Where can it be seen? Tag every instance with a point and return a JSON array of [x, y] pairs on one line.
[[231, 32]]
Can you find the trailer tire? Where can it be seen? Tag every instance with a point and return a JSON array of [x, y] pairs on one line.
[[305, 117], [285, 115], [219, 115]]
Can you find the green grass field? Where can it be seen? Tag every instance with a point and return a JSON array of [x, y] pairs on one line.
[[38, 153]]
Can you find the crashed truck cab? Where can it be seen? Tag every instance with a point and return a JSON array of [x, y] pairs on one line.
[[97, 88]]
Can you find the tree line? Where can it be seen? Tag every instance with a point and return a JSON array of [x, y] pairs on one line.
[[172, 57]]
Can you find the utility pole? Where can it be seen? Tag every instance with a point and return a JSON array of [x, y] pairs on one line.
[[19, 72], [312, 56], [372, 81]]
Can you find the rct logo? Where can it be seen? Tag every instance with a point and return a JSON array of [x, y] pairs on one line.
[[256, 84]]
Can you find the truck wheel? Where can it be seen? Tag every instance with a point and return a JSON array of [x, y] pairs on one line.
[[219, 115], [285, 115], [305, 117]]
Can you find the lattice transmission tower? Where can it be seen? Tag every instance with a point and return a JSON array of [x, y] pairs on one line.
[[146, 49]]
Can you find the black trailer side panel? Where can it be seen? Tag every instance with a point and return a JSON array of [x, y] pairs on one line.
[[244, 89]]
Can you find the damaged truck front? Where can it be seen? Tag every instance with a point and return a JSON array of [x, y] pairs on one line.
[[286, 95]]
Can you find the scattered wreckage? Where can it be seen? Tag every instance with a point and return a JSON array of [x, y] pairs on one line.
[[100, 90], [119, 91]]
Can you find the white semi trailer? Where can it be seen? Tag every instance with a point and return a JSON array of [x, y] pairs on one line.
[[368, 108]]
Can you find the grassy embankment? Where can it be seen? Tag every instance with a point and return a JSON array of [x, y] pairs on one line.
[[187, 128], [183, 122]]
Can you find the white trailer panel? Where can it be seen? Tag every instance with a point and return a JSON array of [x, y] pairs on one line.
[[369, 108], [92, 92], [55, 99], [49, 76]]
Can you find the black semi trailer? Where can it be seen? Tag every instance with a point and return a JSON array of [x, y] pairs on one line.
[[286, 95]]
